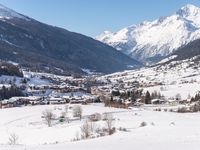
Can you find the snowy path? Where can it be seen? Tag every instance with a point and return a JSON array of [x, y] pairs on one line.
[[18, 119]]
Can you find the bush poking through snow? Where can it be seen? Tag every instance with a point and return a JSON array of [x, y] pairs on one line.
[[77, 111], [183, 110], [61, 119], [157, 109], [143, 124], [172, 123], [195, 107], [105, 116], [123, 129], [90, 130], [63, 115], [95, 117], [13, 139], [77, 137], [178, 97], [86, 130], [109, 120], [48, 116]]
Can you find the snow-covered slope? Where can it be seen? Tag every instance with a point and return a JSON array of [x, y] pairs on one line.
[[23, 37], [169, 78], [157, 38], [178, 131], [6, 13]]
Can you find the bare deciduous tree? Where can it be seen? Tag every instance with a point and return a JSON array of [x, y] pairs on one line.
[[77, 111], [67, 113], [109, 122], [66, 108], [77, 136], [85, 130], [13, 139], [63, 114], [48, 116], [106, 99]]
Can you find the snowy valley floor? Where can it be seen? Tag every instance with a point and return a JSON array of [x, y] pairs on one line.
[[164, 130]]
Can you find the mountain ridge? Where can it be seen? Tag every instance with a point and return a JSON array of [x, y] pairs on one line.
[[40, 46], [158, 38]]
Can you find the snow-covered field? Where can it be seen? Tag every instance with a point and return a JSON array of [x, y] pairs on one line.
[[164, 130], [28, 124]]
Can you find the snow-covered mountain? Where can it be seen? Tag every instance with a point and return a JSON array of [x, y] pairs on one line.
[[158, 38], [7, 13], [31, 43]]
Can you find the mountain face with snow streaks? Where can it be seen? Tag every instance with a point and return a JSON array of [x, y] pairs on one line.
[[159, 38], [43, 47]]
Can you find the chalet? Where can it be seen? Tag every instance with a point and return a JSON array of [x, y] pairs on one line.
[[158, 101], [5, 104], [18, 101], [135, 84], [127, 103], [172, 102], [185, 101], [67, 98], [56, 100], [33, 100], [77, 100], [39, 87], [32, 92], [89, 98]]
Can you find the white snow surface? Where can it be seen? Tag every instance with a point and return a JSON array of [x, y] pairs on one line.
[[164, 130], [167, 59], [160, 37]]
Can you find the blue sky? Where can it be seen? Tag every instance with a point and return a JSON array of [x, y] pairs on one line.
[[92, 17]]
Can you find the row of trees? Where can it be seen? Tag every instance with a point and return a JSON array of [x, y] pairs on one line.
[[133, 95], [49, 116], [137, 94], [10, 69], [148, 97], [196, 97], [6, 93]]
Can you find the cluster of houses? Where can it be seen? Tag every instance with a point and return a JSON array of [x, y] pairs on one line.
[[123, 87], [37, 100], [62, 91], [106, 90], [50, 89]]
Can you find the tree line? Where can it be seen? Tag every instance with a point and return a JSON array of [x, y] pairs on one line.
[[8, 92], [10, 69]]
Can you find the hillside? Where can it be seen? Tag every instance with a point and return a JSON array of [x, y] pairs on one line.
[[190, 50], [43, 47], [10, 70], [189, 53], [150, 41]]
